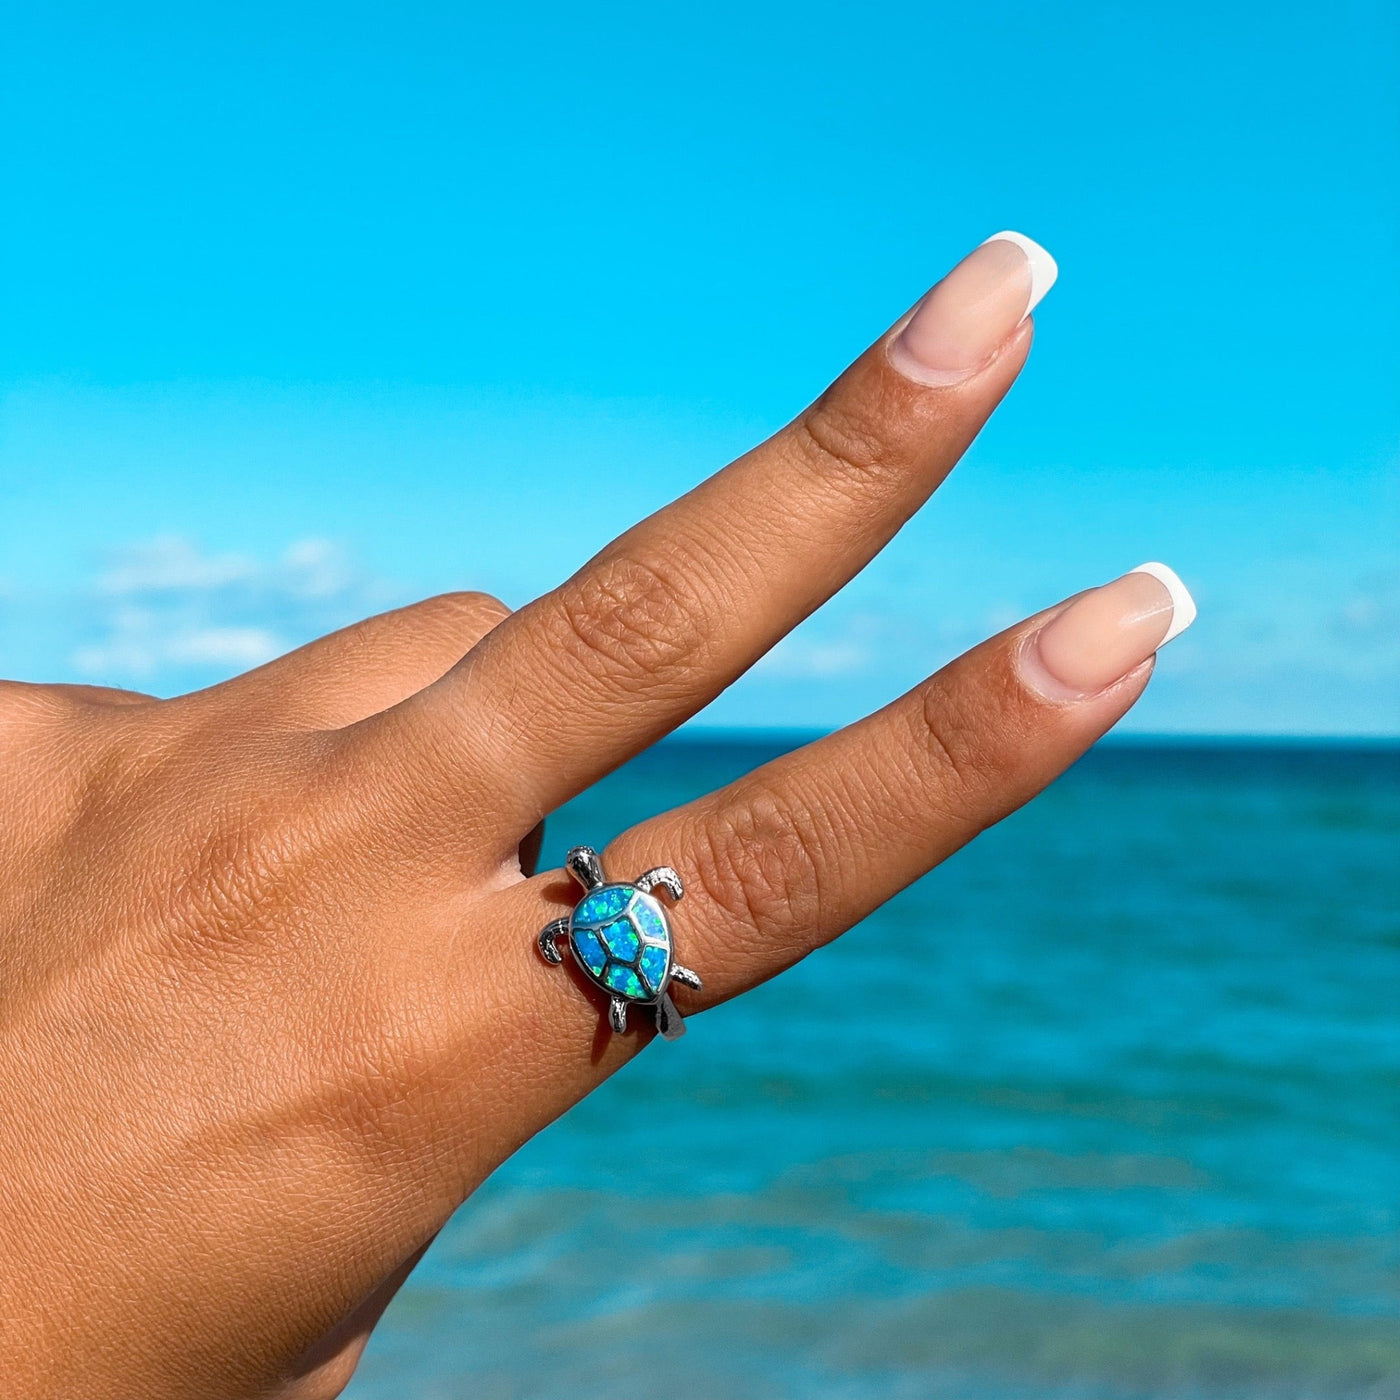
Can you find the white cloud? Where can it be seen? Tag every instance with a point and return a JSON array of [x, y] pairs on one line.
[[316, 569], [166, 614], [796, 658], [171, 564], [836, 643], [141, 645], [1371, 613]]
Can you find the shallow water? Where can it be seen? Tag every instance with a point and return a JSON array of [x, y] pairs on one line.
[[1108, 1106]]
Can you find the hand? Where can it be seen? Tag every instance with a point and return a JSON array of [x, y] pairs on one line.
[[270, 999]]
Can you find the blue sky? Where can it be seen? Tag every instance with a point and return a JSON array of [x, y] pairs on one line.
[[311, 310]]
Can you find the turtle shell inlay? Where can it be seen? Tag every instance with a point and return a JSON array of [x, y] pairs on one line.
[[620, 938], [652, 964]]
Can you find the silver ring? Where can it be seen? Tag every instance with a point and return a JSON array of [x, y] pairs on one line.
[[620, 938]]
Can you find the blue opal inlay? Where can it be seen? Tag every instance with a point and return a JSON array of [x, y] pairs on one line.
[[603, 905], [649, 920], [590, 950], [624, 980], [621, 940], [653, 967]]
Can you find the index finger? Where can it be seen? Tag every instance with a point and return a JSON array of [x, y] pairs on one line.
[[674, 610]]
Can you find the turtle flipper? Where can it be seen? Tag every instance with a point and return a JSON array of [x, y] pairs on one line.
[[686, 977], [549, 938], [668, 1019], [617, 1015], [661, 875]]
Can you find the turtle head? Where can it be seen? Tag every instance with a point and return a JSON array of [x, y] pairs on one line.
[[583, 864]]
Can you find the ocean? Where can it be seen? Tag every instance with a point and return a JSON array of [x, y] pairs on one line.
[[1106, 1107]]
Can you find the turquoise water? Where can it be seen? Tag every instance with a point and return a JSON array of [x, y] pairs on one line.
[[1131, 1129]]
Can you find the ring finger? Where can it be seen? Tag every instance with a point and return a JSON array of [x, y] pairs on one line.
[[804, 847]]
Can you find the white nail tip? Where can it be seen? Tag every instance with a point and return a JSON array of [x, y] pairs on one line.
[[1044, 269], [1183, 604]]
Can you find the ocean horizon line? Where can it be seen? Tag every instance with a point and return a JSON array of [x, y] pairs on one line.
[[766, 736]]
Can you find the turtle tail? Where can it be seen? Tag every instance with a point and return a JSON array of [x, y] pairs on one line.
[[668, 1019]]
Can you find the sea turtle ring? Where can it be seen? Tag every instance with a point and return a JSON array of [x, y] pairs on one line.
[[621, 940]]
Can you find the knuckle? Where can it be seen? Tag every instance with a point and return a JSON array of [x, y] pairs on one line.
[[846, 445], [242, 860], [23, 703], [760, 865], [470, 607], [235, 885], [69, 746], [31, 706], [953, 735], [458, 620], [454, 617], [382, 1059], [634, 618]]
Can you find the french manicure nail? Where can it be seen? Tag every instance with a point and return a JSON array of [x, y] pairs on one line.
[[961, 322], [1106, 633]]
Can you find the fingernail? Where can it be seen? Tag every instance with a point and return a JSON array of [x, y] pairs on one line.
[[1106, 633], [961, 322]]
